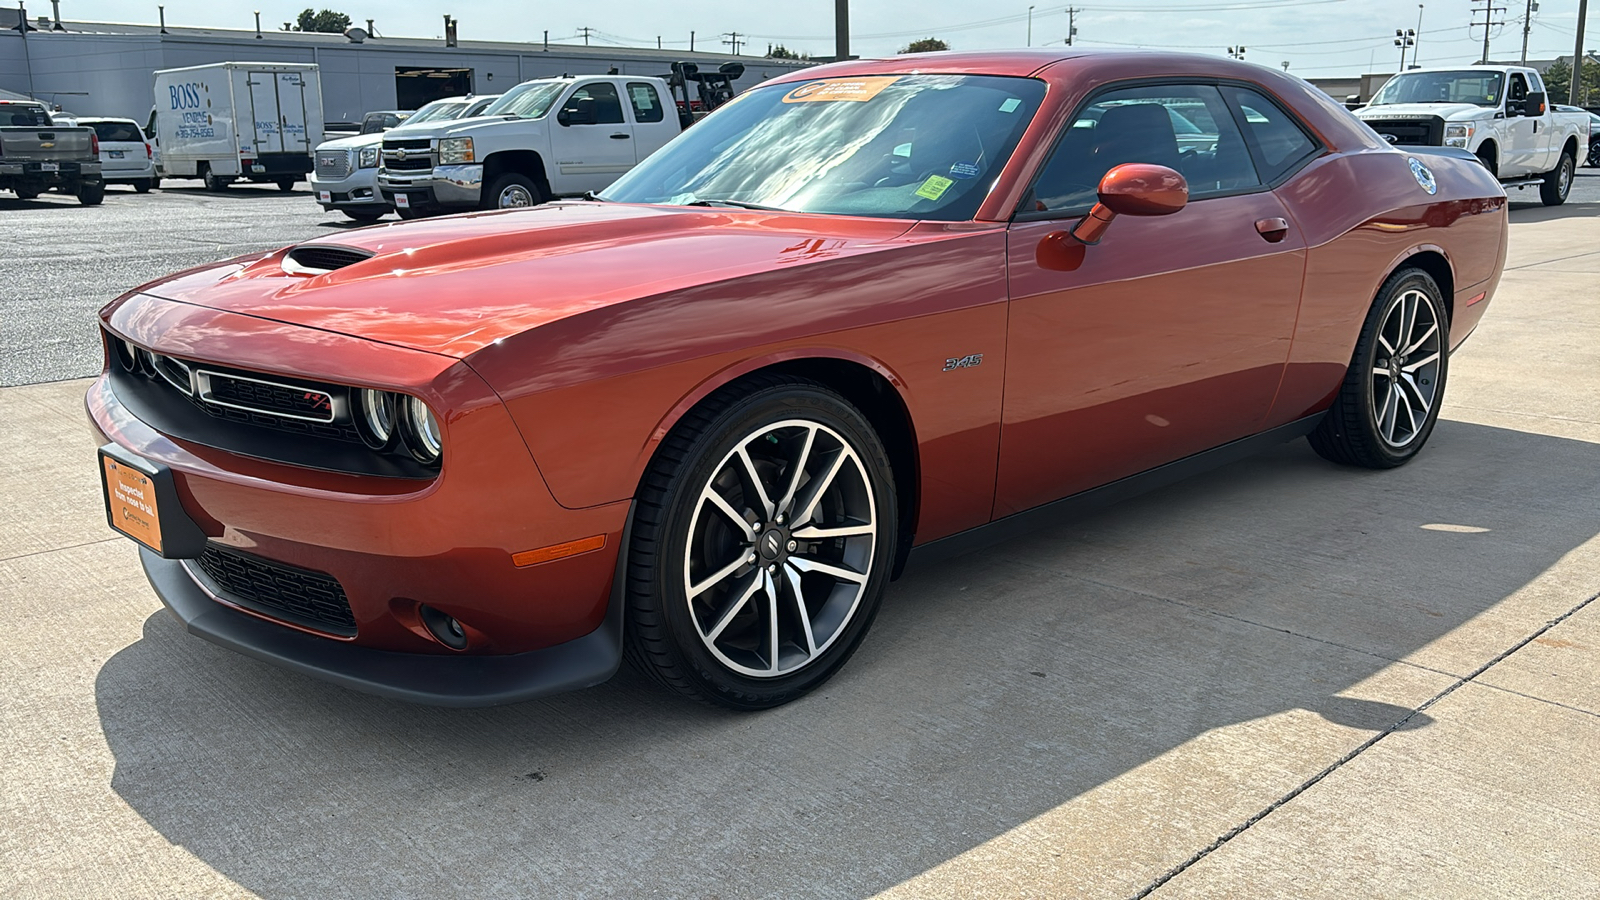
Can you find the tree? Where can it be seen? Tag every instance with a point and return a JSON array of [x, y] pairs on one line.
[[926, 45], [325, 22], [779, 51], [1558, 81]]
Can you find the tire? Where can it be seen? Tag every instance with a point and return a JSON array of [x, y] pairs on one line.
[[27, 194], [717, 645], [144, 185], [408, 214], [1490, 159], [1593, 159], [216, 183], [1363, 427], [364, 216], [286, 184], [512, 191], [1558, 181], [91, 193]]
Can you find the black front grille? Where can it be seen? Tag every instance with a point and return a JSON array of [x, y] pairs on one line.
[[1427, 131], [414, 144], [301, 596], [409, 164], [266, 397], [327, 258], [338, 431]]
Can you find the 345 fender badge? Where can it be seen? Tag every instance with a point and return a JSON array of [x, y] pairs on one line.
[[963, 362], [1423, 175]]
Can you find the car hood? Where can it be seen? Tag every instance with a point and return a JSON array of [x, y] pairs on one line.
[[447, 127], [1408, 110], [457, 284], [353, 142]]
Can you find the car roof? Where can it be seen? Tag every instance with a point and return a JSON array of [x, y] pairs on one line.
[[104, 119]]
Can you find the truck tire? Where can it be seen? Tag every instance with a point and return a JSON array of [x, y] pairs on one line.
[[90, 193], [1558, 181], [144, 185], [286, 184], [27, 193], [364, 216], [216, 183], [512, 191], [1593, 160], [1490, 159]]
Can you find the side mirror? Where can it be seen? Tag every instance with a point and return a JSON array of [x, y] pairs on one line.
[[1534, 105], [581, 113], [1133, 189]]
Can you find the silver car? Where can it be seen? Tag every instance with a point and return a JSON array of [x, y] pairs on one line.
[[345, 175]]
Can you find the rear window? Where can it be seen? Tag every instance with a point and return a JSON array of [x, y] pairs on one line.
[[25, 115], [118, 131]]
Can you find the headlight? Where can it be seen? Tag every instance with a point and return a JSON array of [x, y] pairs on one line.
[[421, 430], [369, 157], [1458, 134], [375, 417], [454, 151]]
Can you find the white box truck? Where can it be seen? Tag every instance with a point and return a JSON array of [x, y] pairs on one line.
[[231, 120]]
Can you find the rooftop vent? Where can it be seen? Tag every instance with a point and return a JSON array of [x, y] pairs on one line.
[[310, 259]]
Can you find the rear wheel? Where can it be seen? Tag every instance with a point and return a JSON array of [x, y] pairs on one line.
[[27, 193], [91, 193], [1389, 402], [512, 191], [1558, 181], [1593, 160], [217, 183], [286, 184], [762, 540], [144, 185]]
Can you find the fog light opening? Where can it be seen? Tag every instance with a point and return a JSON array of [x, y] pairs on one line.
[[126, 353], [445, 629]]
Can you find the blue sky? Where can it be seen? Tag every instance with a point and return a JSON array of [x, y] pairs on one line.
[[1316, 37]]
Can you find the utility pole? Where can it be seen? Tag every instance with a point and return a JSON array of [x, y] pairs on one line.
[[1416, 52], [841, 30], [586, 31], [733, 39], [1488, 9], [1030, 26], [1072, 27], [1577, 54], [691, 42], [1527, 26]]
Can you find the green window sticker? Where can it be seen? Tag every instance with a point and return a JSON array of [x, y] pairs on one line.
[[934, 187], [1010, 105]]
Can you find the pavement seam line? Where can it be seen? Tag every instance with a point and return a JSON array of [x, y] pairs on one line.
[[59, 549], [1361, 748], [1566, 706], [1546, 262]]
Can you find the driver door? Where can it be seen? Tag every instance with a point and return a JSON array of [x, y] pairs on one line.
[[590, 157], [1171, 335], [1522, 136]]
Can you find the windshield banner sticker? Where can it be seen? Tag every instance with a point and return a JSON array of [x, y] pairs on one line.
[[859, 90]]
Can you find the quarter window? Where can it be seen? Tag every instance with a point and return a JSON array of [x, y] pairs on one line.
[[646, 102], [1275, 138], [1186, 127], [607, 105]]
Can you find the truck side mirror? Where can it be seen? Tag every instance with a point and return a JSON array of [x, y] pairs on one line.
[[580, 113], [1534, 105]]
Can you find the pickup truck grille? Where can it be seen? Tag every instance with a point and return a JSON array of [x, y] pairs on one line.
[[412, 155], [1426, 131], [333, 163]]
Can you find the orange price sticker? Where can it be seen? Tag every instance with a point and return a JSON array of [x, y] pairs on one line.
[[131, 497], [858, 90]]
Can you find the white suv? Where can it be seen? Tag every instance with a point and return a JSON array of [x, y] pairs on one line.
[[125, 154]]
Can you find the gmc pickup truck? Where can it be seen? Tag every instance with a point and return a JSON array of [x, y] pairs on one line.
[[37, 155], [1500, 114], [553, 137]]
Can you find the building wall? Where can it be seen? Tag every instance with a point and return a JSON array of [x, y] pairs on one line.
[[113, 74]]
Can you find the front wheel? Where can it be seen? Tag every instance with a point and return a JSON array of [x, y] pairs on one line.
[[1558, 181], [1389, 401], [364, 216], [143, 185], [763, 537], [1593, 159], [512, 191], [91, 193]]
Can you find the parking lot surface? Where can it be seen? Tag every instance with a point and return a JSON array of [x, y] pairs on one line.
[[1281, 679]]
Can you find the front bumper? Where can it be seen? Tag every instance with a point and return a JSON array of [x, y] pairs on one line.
[[358, 190], [459, 186], [458, 680]]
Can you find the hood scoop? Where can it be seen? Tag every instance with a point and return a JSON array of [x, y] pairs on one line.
[[313, 259]]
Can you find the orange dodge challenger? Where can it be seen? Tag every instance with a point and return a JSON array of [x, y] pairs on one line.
[[864, 314]]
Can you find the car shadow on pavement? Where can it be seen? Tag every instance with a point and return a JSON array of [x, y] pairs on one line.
[[1524, 211], [992, 689]]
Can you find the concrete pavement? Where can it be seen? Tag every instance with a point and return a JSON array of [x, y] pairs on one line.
[[1280, 679]]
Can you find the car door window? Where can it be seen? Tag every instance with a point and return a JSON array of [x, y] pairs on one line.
[[607, 105], [1277, 142], [1186, 127], [646, 102]]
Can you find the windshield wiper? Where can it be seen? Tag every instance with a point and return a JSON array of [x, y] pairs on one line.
[[593, 197], [739, 204]]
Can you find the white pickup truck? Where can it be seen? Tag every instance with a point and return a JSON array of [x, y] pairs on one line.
[[553, 137], [1498, 113]]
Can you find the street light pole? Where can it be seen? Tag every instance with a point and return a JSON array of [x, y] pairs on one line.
[[1030, 26], [1577, 54]]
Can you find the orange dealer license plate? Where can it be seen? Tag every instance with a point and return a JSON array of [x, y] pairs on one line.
[[142, 503]]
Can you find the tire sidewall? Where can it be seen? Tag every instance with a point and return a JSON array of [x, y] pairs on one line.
[[1397, 286], [744, 417], [535, 195]]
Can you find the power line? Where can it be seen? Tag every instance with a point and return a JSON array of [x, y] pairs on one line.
[[734, 40], [1488, 9]]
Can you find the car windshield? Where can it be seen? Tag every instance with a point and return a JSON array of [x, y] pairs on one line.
[[527, 101], [1481, 88], [899, 146], [438, 109], [111, 132]]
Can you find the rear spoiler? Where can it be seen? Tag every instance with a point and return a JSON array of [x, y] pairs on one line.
[[1457, 152]]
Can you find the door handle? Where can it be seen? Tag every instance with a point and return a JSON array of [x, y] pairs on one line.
[[621, 136], [1273, 229]]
